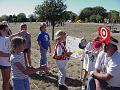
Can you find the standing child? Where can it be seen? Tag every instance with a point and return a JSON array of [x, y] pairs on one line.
[[27, 50], [19, 71], [44, 43], [61, 55]]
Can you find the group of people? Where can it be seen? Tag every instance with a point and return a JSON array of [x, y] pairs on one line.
[[15, 58], [107, 68], [101, 61]]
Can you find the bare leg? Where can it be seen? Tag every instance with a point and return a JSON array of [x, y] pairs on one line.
[[98, 86], [29, 57], [85, 75], [25, 57], [6, 78]]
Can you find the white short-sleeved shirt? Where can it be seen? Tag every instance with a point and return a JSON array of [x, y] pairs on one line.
[[59, 50], [100, 61], [112, 66], [16, 73], [89, 59], [4, 47]]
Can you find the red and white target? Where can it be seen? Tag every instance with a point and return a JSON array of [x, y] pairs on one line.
[[104, 32]]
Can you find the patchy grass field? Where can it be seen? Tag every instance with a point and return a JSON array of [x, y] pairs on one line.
[[73, 71]]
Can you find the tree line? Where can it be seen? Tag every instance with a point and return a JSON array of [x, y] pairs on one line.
[[98, 14], [56, 10], [21, 17]]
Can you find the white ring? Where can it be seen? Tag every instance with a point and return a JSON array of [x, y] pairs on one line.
[[103, 31]]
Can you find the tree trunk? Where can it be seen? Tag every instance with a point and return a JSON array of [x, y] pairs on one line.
[[53, 26]]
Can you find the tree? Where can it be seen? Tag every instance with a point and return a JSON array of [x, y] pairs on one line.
[[86, 13], [98, 18], [21, 17], [119, 19], [93, 18], [90, 13], [100, 11], [51, 10], [0, 19], [113, 15], [32, 18], [69, 15], [14, 18], [4, 18], [10, 18]]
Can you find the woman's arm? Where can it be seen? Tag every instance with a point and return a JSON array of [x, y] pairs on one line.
[[16, 34]]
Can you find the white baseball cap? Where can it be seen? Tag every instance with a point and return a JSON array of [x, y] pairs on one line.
[[59, 33]]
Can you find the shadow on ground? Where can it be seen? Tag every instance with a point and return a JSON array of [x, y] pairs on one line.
[[54, 79]]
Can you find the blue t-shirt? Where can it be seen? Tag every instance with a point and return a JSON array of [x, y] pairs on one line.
[[43, 39]]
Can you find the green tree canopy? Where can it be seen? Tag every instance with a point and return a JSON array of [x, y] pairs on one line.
[[14, 18], [100, 11], [4, 18], [32, 18], [51, 10], [21, 17], [69, 15], [86, 13], [10, 18], [113, 14], [94, 14]]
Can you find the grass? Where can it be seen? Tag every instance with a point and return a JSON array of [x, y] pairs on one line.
[[37, 82]]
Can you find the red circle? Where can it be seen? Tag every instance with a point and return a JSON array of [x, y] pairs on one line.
[[103, 32]]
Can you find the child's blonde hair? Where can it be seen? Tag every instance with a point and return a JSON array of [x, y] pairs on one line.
[[15, 43]]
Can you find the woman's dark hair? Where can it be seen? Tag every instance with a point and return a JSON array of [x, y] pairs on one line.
[[82, 44], [2, 27], [42, 26]]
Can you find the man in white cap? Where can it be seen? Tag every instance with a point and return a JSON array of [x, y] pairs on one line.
[[107, 68]]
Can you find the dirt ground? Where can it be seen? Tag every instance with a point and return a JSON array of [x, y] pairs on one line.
[[37, 82]]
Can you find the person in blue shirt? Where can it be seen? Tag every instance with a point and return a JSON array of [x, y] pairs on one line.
[[44, 44]]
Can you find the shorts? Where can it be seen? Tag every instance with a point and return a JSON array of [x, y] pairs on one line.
[[4, 67], [26, 50]]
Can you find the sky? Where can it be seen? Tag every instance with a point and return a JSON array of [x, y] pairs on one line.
[[10, 7]]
